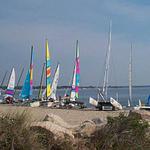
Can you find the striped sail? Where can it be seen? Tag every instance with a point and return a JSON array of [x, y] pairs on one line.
[[31, 71], [48, 71], [26, 91], [77, 70], [73, 87], [76, 76], [11, 85]]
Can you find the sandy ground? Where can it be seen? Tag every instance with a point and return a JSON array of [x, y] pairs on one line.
[[73, 117]]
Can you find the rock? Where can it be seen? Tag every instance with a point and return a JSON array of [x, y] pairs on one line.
[[57, 130], [97, 121], [56, 120]]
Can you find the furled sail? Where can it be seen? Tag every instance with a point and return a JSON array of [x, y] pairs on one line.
[[76, 76], [73, 93], [77, 70]]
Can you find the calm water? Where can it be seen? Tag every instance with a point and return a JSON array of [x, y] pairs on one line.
[[141, 93]]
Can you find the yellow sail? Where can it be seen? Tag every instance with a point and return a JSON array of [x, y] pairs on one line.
[[48, 71]]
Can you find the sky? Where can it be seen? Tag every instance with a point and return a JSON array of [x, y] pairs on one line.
[[62, 22]]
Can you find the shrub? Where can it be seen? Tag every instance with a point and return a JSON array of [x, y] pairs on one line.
[[15, 132], [121, 133]]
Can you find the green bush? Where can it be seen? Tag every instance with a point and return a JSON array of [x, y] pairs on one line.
[[17, 134], [122, 133], [48, 141]]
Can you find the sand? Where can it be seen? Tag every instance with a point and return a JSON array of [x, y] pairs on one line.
[[72, 117]]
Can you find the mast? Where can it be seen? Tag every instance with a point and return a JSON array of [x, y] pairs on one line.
[[130, 77], [41, 81], [31, 72], [73, 86], [106, 76], [19, 79], [4, 78], [77, 70], [48, 71], [11, 84], [55, 82], [76, 75]]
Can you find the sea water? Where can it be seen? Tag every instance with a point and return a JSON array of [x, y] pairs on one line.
[[122, 94]]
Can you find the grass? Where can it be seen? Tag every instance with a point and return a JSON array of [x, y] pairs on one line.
[[120, 133]]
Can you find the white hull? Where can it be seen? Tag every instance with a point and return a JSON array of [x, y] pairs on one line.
[[115, 103], [35, 104], [145, 107], [93, 102], [112, 101]]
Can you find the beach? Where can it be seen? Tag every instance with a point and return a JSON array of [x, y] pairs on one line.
[[72, 117]]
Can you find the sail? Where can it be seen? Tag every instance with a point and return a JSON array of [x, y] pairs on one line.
[[41, 83], [73, 93], [48, 71], [31, 71], [77, 70], [11, 84], [25, 92], [55, 83], [76, 76]]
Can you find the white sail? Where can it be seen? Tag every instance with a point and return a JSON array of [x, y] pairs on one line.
[[73, 94], [11, 84], [44, 94], [55, 83]]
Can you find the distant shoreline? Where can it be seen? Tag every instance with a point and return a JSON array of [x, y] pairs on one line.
[[81, 87]]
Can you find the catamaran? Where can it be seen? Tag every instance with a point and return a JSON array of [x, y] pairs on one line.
[[130, 79], [104, 103], [9, 93], [53, 96], [26, 92], [73, 99], [48, 97], [50, 92]]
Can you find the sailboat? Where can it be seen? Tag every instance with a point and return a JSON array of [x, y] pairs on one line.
[[104, 103], [130, 79], [49, 94], [73, 99], [41, 83], [55, 83], [9, 93], [74, 94], [53, 86], [26, 92]]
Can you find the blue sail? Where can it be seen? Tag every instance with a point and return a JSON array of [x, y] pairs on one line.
[[25, 93]]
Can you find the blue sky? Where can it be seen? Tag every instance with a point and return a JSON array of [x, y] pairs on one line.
[[23, 23]]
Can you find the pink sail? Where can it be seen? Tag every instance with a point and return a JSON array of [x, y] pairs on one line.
[[77, 63]]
